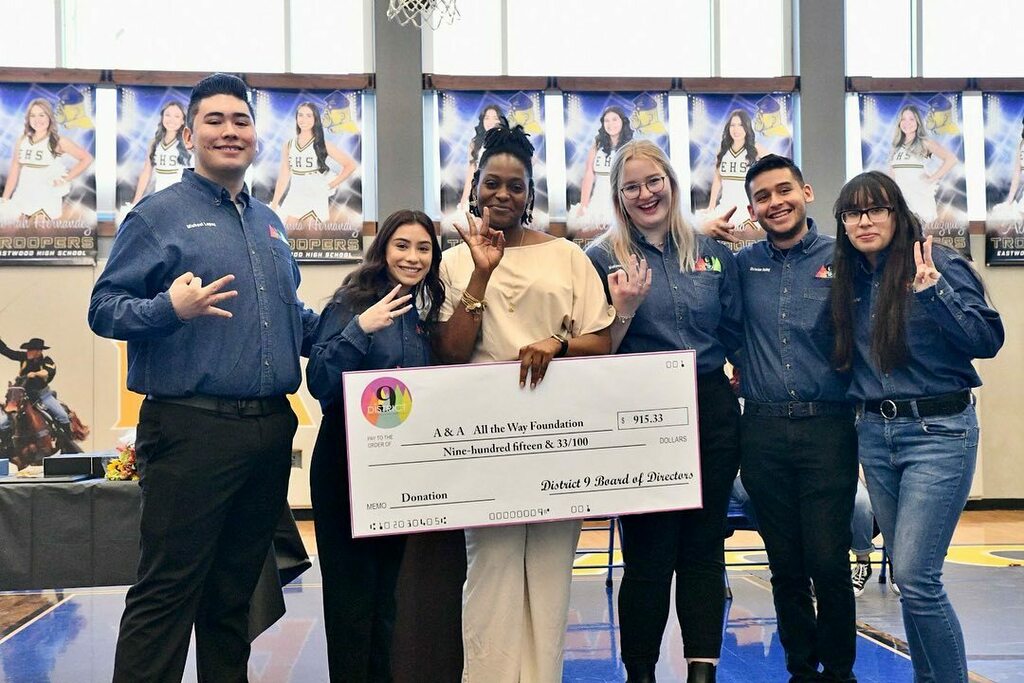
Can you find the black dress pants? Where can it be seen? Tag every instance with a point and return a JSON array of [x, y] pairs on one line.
[[801, 474], [688, 543], [359, 575], [213, 487]]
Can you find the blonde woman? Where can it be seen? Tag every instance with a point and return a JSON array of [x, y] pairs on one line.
[[674, 289]]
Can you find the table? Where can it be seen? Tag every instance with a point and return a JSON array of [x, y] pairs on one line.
[[86, 533]]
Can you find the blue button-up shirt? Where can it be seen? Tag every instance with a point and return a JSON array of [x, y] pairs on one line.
[[699, 310], [948, 325], [340, 345], [789, 337], [194, 226]]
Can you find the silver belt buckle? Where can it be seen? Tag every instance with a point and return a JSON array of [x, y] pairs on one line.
[[885, 406]]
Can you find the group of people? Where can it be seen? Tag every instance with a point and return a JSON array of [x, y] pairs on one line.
[[304, 186], [855, 346]]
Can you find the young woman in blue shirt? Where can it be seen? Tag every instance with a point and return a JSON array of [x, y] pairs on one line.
[[673, 288], [381, 317], [909, 319]]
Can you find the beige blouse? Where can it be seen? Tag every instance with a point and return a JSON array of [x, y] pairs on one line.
[[537, 290]]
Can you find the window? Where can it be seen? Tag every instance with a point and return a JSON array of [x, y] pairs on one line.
[[34, 42], [879, 47], [193, 35]]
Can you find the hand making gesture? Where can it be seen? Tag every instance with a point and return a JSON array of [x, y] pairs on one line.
[[629, 286], [383, 313], [486, 244], [927, 274], [190, 299], [721, 227]]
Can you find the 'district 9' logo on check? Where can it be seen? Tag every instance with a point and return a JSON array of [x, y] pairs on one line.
[[386, 402]]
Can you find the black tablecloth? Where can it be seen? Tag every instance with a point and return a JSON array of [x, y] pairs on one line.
[[86, 533]]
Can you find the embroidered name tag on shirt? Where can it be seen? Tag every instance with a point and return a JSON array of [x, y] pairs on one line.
[[708, 263], [758, 269], [825, 272], [205, 224]]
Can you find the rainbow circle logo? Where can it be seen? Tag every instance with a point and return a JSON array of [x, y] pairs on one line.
[[386, 402]]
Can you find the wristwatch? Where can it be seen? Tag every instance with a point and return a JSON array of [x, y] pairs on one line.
[[564, 341]]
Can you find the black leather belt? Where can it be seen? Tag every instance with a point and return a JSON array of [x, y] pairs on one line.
[[797, 409], [946, 404], [242, 407]]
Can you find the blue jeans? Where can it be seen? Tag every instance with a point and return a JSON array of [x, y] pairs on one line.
[[862, 526], [918, 473], [49, 403]]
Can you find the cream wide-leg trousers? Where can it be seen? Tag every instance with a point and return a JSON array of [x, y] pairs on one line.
[[516, 600]]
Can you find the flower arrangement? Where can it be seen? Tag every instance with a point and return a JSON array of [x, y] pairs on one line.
[[122, 468]]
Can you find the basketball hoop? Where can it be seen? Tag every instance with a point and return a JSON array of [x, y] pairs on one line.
[[422, 13]]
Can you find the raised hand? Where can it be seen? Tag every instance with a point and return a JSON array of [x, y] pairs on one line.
[[927, 274], [486, 244], [384, 312], [190, 299], [721, 227], [629, 286]]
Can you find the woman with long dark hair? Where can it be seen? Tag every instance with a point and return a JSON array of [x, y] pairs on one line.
[[517, 294], [382, 316], [595, 207], [38, 181], [168, 156], [657, 263], [304, 171], [909, 318], [489, 117], [737, 151]]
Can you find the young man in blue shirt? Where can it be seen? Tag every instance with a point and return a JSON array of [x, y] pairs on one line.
[[216, 365], [799, 447]]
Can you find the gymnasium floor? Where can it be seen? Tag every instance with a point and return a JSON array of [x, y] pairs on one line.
[[68, 636]]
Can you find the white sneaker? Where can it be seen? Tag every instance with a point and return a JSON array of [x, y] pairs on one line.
[[859, 575], [893, 585]]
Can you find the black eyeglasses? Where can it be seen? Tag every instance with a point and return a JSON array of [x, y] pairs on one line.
[[876, 214], [632, 190]]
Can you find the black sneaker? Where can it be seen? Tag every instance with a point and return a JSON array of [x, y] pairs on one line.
[[859, 575]]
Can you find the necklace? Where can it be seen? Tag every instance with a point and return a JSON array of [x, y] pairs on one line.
[[511, 299]]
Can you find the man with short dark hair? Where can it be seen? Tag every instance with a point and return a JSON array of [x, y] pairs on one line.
[[799, 447], [216, 365]]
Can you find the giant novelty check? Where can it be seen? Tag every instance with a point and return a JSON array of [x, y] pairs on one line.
[[463, 446]]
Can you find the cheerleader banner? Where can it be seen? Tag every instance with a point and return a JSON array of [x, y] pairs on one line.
[[47, 146], [597, 124], [308, 169], [727, 134], [916, 138], [151, 152], [464, 117], [1004, 163]]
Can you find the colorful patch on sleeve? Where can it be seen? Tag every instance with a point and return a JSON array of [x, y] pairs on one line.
[[708, 263], [277, 234], [826, 272]]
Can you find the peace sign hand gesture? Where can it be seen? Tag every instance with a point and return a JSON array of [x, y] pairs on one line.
[[927, 275], [629, 286], [383, 313], [486, 244]]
